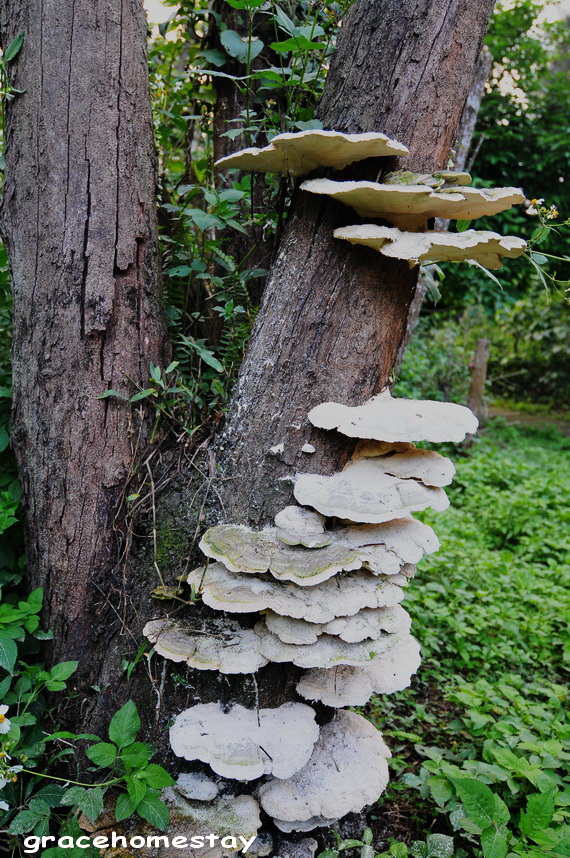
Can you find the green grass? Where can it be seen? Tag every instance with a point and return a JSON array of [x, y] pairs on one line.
[[481, 741]]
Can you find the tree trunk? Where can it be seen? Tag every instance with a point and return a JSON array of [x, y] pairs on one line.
[[79, 220], [333, 316]]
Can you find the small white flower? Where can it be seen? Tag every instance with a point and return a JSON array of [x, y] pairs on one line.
[[4, 805], [4, 722]]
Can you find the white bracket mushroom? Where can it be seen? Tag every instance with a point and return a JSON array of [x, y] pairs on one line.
[[245, 744], [300, 153], [348, 770], [420, 248], [409, 206]]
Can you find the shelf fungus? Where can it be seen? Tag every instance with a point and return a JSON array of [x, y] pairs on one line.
[[222, 645], [327, 651], [341, 596], [298, 526], [405, 540], [300, 153], [354, 685], [347, 771], [384, 418], [409, 207], [427, 466], [369, 623], [245, 744], [420, 248], [363, 492], [255, 552]]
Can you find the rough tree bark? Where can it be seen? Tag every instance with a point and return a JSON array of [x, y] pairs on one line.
[[79, 221]]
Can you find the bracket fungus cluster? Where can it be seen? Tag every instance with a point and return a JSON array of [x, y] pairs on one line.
[[325, 582], [321, 587]]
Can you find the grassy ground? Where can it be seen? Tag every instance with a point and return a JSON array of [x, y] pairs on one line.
[[481, 741]]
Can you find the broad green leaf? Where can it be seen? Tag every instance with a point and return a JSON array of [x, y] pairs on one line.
[[13, 48], [64, 670], [440, 789], [8, 652], [124, 807], [35, 600], [90, 801], [27, 820], [156, 776], [439, 846], [296, 43], [494, 842], [136, 755], [462, 225], [179, 271], [136, 789], [539, 812], [245, 4], [124, 726], [154, 811], [239, 47], [478, 800], [102, 754]]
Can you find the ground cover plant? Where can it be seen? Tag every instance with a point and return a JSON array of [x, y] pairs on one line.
[[481, 741]]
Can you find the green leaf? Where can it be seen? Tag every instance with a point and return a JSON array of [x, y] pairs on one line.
[[90, 801], [26, 820], [35, 600], [156, 776], [136, 789], [245, 4], [51, 794], [111, 392], [136, 755], [539, 812], [103, 754], [539, 258], [179, 271], [439, 846], [494, 842], [8, 652], [209, 358], [13, 48], [462, 225], [295, 44], [440, 789], [124, 807], [540, 234], [64, 670], [479, 802], [238, 47], [124, 725], [154, 811], [142, 394]]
